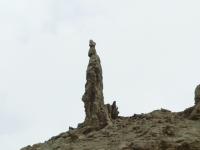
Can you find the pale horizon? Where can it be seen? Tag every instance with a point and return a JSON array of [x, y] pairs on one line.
[[149, 53]]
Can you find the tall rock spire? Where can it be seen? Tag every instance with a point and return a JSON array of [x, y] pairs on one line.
[[96, 112], [195, 114]]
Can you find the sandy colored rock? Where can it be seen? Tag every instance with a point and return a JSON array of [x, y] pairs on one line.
[[195, 114], [112, 110], [96, 114], [133, 133], [197, 95], [103, 129]]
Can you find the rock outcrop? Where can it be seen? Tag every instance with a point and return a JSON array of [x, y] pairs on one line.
[[103, 129], [197, 94], [195, 113], [158, 130], [97, 115], [112, 110]]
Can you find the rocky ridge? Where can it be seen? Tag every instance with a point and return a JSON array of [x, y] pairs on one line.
[[103, 129]]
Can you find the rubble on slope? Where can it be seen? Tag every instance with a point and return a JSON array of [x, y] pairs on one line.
[[103, 129]]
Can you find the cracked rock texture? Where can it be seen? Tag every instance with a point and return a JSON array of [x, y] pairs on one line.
[[96, 113], [103, 129], [158, 130]]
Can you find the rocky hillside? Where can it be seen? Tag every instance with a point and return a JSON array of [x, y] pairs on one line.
[[158, 130], [103, 129]]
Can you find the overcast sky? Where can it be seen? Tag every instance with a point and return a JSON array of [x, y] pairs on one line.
[[149, 51]]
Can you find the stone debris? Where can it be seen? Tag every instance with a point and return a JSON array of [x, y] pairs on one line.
[[112, 110], [103, 129]]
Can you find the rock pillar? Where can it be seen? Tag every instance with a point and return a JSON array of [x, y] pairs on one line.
[[96, 113], [195, 114]]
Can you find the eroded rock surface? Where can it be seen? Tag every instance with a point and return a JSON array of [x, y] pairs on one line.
[[195, 111], [158, 130], [197, 94], [103, 129], [96, 114], [112, 110]]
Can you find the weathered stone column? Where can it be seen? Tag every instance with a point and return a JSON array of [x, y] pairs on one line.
[[197, 94], [195, 114], [96, 113]]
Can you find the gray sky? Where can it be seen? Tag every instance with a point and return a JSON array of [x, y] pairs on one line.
[[149, 52]]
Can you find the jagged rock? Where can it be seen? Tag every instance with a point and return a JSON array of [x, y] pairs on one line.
[[187, 112], [96, 114], [195, 113], [112, 110], [197, 94], [158, 130]]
